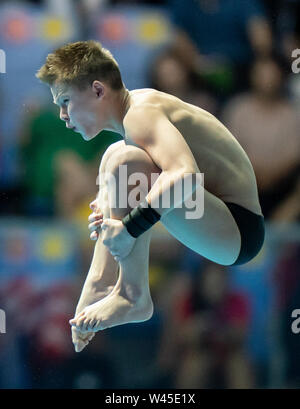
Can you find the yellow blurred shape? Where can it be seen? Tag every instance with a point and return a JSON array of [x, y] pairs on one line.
[[152, 30], [54, 28], [53, 247]]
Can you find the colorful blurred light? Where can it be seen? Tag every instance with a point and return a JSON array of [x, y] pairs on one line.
[[152, 30], [114, 28], [54, 29], [17, 27], [53, 247]]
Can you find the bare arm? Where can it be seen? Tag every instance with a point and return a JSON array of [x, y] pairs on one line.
[[151, 130]]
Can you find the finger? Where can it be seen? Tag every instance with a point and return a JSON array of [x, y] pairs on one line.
[[95, 216], [94, 235], [95, 225], [93, 204], [92, 217]]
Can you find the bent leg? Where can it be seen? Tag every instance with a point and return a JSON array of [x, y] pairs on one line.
[[214, 236], [134, 268], [130, 300], [102, 275]]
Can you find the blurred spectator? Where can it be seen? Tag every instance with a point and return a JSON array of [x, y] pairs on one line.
[[206, 323], [169, 74], [218, 38], [59, 167], [91, 369], [266, 124], [206, 334], [38, 318]]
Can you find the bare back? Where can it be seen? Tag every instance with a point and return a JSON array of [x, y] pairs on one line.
[[228, 173]]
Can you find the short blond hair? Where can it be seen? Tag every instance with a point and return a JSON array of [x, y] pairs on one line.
[[79, 64]]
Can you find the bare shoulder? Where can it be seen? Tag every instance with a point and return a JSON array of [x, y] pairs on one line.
[[140, 121], [147, 105], [136, 112]]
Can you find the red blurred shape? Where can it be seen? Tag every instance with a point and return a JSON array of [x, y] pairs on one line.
[[17, 28], [114, 28]]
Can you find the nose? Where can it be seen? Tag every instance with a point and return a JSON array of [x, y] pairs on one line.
[[69, 126], [64, 116]]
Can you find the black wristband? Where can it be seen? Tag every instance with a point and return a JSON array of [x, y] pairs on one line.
[[140, 219]]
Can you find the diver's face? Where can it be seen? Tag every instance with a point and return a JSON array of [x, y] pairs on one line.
[[79, 109]]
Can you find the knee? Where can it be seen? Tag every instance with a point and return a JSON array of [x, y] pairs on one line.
[[114, 147], [105, 160], [132, 164], [129, 176]]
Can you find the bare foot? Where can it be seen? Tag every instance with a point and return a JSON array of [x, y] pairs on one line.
[[79, 339], [115, 309]]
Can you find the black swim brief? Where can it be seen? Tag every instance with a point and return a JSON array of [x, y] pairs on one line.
[[252, 230]]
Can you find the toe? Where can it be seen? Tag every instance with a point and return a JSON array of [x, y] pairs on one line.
[[89, 326], [80, 314], [74, 321], [98, 325], [81, 322], [91, 336], [85, 325], [80, 345]]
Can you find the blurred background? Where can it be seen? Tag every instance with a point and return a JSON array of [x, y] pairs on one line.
[[213, 326]]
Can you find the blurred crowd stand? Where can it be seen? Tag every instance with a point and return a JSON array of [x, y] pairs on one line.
[[213, 327]]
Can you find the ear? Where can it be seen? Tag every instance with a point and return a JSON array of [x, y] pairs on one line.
[[98, 88]]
